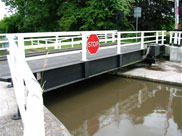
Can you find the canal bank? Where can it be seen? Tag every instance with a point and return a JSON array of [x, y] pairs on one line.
[[9, 127], [162, 71]]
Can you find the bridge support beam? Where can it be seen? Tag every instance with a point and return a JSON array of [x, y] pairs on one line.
[[58, 77], [120, 61]]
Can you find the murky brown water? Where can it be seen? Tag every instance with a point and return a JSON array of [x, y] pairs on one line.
[[114, 106]]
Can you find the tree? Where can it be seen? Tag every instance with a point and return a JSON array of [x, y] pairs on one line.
[[156, 14], [93, 14], [9, 24], [64, 15], [36, 15]]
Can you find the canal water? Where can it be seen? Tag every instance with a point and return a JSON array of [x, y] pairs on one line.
[[114, 106]]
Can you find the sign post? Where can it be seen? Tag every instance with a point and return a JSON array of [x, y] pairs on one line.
[[137, 14], [93, 44], [176, 14]]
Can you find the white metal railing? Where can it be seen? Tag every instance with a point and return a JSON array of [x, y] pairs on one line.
[[127, 38], [59, 40], [175, 37], [27, 91], [3, 40]]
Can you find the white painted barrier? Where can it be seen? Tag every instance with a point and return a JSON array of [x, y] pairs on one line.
[[175, 38], [27, 90], [59, 40]]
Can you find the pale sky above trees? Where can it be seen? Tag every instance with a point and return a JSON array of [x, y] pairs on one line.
[[3, 10]]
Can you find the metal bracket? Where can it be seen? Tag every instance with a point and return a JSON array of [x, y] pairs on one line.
[[16, 116], [10, 85]]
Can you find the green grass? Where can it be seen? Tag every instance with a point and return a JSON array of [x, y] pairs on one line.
[[131, 41], [78, 45], [28, 43], [1, 43], [34, 50], [3, 53]]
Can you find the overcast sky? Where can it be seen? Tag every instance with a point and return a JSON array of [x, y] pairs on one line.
[[3, 10]]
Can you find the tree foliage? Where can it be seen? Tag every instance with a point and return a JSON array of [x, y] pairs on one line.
[[64, 15], [71, 15], [9, 24], [156, 14]]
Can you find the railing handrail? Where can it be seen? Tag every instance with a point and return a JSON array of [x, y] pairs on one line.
[[59, 39], [176, 39], [39, 34], [29, 100]]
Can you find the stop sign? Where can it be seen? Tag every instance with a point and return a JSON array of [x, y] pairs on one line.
[[93, 43]]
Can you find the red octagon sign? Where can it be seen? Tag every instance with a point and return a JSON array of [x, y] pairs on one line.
[[93, 43]]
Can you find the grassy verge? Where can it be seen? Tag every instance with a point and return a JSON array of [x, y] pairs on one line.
[[3, 53], [0, 43]]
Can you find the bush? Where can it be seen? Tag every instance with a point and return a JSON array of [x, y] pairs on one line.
[[9, 24]]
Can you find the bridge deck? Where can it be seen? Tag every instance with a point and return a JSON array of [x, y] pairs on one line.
[[56, 61]]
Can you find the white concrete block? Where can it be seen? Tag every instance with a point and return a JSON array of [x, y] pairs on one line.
[[175, 54]]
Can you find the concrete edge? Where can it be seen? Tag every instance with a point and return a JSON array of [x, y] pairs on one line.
[[53, 125], [145, 78]]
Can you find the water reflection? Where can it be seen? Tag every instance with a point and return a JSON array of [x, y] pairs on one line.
[[107, 105]]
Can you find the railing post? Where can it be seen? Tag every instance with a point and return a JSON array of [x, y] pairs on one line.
[[60, 46], [113, 37], [84, 47], [38, 41], [179, 39], [157, 37], [171, 37], [21, 45], [56, 45], [163, 32], [142, 40], [72, 42], [46, 44], [176, 38], [32, 42], [118, 42], [105, 37]]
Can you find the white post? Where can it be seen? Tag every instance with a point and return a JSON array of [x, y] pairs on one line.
[[171, 37], [21, 45], [38, 42], [176, 38], [56, 45], [176, 14], [162, 37], [32, 115], [31, 41], [46, 44], [118, 43], [157, 37], [60, 44], [72, 42], [142, 40], [179, 38], [84, 47], [113, 37], [105, 37]]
